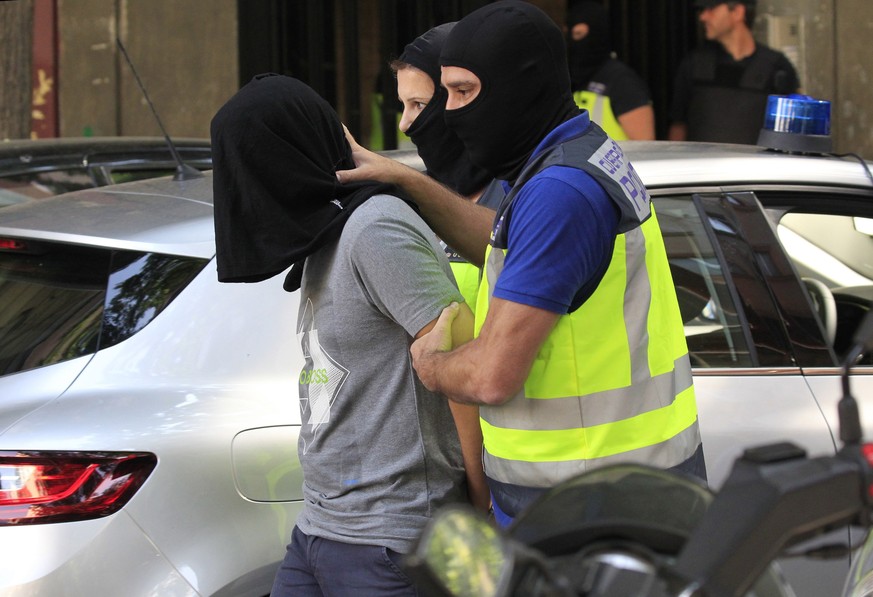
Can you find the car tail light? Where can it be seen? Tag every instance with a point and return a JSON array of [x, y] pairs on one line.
[[12, 244], [47, 487], [24, 247]]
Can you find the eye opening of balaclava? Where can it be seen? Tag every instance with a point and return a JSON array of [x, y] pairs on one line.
[[276, 147], [588, 54], [520, 58], [444, 156]]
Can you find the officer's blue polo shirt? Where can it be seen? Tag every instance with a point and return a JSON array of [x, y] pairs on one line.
[[561, 234]]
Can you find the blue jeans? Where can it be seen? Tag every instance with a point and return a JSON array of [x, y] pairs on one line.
[[318, 567]]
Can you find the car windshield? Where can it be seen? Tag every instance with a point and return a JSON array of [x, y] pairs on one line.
[[63, 301]]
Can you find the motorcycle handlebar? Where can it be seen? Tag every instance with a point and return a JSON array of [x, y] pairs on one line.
[[774, 498]]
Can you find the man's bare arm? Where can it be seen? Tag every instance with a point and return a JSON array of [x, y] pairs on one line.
[[639, 123], [466, 416], [678, 131], [492, 368], [463, 225]]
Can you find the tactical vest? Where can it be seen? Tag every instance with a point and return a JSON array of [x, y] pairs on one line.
[[600, 109], [728, 114], [613, 380]]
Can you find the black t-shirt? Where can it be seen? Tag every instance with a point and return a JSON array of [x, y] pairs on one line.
[[625, 89]]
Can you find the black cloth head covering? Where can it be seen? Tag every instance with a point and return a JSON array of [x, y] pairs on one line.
[[276, 146], [442, 152], [587, 54], [519, 55]]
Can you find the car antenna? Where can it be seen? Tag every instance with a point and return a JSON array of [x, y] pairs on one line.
[[183, 170]]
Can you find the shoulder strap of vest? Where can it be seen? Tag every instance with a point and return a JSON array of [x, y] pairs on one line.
[[493, 195], [756, 76], [601, 157]]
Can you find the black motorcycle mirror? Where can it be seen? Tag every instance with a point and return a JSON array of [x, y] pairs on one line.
[[776, 497]]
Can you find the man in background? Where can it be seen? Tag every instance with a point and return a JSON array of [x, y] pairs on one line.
[[721, 89], [615, 95]]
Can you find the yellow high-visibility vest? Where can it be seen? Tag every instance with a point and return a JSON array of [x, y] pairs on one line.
[[600, 110], [612, 383], [467, 277]]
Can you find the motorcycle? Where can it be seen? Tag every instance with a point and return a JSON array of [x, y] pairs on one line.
[[634, 531]]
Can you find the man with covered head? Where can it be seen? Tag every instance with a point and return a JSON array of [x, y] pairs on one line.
[[379, 452], [615, 96], [445, 157], [579, 359]]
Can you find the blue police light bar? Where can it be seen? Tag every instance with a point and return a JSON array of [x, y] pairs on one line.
[[797, 124]]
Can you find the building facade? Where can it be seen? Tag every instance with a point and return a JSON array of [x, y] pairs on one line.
[[192, 55]]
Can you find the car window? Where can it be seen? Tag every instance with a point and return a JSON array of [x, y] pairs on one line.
[[836, 249], [39, 185], [64, 301], [827, 236], [128, 175], [713, 328], [833, 253]]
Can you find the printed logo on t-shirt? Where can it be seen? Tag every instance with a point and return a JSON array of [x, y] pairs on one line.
[[320, 381]]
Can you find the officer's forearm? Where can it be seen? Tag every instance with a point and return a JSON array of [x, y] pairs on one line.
[[461, 376], [463, 225], [492, 368]]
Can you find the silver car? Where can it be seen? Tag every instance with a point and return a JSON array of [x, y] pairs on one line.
[[149, 415]]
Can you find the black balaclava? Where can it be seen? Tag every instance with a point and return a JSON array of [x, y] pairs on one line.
[[440, 149], [276, 147], [589, 53], [519, 55]]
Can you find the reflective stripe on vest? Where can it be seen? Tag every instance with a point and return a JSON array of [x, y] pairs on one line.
[[600, 109], [599, 390]]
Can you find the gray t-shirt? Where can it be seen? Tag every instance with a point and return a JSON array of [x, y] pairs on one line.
[[380, 452]]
